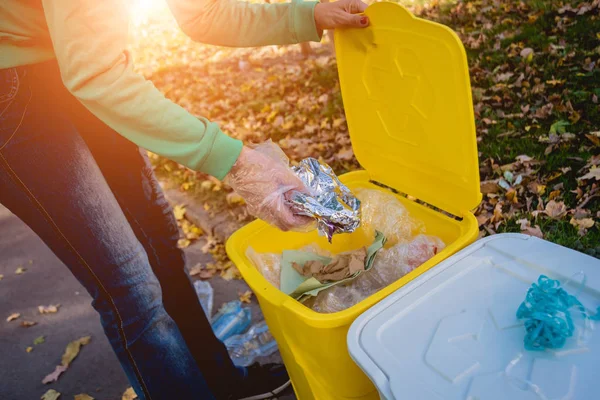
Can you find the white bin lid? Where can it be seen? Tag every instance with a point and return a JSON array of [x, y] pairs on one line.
[[452, 332]]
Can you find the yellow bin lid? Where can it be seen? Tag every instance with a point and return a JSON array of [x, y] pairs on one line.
[[407, 96]]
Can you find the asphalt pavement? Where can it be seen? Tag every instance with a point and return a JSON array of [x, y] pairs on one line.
[[46, 281]]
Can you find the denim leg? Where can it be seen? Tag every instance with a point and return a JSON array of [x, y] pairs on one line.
[[49, 178], [131, 178]]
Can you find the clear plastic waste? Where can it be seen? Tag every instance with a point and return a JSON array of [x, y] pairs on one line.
[[257, 342], [268, 264], [383, 212], [389, 266], [231, 319], [205, 294]]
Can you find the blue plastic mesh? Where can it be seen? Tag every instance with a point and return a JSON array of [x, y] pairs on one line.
[[547, 317]]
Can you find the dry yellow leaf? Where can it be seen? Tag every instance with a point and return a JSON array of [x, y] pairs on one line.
[[12, 317], [246, 296], [51, 309], [179, 211], [1, 276], [234, 198], [83, 396], [183, 243], [29, 349], [73, 348], [20, 270], [51, 394], [27, 324], [231, 273], [338, 122], [129, 394]]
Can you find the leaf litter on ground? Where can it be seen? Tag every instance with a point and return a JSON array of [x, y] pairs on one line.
[[12, 317], [50, 394], [71, 352]]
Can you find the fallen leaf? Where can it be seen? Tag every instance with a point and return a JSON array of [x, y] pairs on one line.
[[179, 211], [83, 396], [246, 296], [533, 231], [51, 394], [27, 324], [593, 174], [211, 242], [183, 243], [234, 198], [129, 394], [196, 269], [51, 309], [582, 224], [1, 276], [29, 349], [73, 348], [192, 232], [231, 273], [20, 270], [488, 187], [556, 209], [39, 340], [527, 54], [554, 194], [12, 317], [53, 377]]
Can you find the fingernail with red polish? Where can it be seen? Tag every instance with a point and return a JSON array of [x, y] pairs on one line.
[[363, 21]]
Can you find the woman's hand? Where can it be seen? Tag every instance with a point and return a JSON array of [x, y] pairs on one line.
[[262, 177], [341, 14]]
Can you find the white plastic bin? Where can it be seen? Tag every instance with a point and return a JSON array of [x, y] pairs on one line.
[[452, 333]]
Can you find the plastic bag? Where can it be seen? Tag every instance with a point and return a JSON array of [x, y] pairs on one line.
[[257, 342], [231, 319], [389, 266], [393, 263], [385, 213], [268, 264], [205, 294]]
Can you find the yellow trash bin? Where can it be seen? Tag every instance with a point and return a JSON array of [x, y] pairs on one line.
[[406, 90]]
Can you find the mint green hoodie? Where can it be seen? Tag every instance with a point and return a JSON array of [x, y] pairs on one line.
[[89, 40]]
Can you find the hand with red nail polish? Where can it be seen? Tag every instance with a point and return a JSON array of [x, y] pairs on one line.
[[341, 14]]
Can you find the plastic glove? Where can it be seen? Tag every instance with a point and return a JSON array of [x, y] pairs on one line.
[[263, 178]]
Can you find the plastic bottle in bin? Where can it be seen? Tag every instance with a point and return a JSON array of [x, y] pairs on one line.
[[232, 319], [257, 342]]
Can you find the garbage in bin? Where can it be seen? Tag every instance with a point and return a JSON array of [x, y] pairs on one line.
[[205, 294], [384, 213], [390, 265], [337, 287], [330, 202], [328, 272], [231, 319], [246, 348]]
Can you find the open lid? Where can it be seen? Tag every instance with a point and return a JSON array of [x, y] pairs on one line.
[[452, 333], [407, 96]]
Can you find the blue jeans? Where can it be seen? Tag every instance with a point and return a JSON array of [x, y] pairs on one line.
[[91, 195]]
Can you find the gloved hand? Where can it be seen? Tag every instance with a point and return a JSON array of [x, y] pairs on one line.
[[262, 177]]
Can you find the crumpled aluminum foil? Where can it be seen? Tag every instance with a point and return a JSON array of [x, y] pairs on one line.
[[331, 203]]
